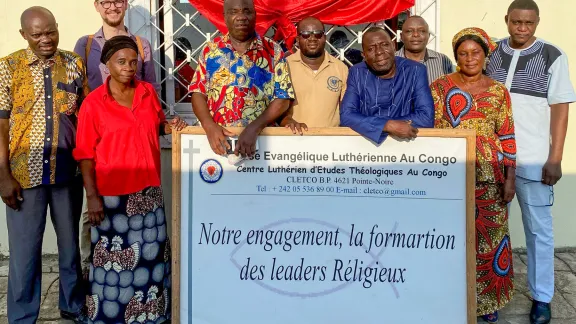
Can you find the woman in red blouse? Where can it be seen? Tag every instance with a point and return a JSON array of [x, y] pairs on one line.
[[119, 153]]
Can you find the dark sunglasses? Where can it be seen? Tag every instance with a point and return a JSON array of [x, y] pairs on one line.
[[317, 33]]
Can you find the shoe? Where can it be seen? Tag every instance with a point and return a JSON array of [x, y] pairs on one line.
[[77, 318], [541, 313], [491, 318]]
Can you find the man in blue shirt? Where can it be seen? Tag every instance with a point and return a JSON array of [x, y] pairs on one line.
[[386, 95]]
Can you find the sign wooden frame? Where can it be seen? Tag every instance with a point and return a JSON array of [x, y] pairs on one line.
[[469, 135]]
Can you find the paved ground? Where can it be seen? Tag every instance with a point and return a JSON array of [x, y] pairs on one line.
[[563, 306]]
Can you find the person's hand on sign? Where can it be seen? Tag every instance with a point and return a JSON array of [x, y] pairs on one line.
[[217, 137], [402, 129], [288, 122], [295, 126], [246, 144], [176, 123]]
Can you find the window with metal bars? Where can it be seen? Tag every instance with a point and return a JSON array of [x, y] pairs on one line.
[[178, 32]]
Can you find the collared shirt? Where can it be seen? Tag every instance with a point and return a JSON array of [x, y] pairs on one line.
[[98, 72], [41, 99], [437, 64], [370, 101], [240, 86], [536, 77], [318, 93], [124, 142]]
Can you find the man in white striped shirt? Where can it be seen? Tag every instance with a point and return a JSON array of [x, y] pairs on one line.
[[537, 75], [415, 37]]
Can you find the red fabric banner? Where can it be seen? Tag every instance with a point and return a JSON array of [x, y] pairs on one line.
[[285, 13]]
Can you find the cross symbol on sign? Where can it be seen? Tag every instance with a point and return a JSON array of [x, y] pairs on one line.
[[191, 150]]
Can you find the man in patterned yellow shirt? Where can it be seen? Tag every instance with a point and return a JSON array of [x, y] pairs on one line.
[[41, 88]]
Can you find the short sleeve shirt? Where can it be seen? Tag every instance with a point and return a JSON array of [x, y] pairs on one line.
[[318, 93], [536, 77], [239, 87], [123, 141], [41, 99]]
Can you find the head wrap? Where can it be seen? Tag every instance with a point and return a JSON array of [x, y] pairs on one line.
[[475, 31], [115, 44]]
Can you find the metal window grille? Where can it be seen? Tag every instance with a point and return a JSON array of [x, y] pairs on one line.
[[178, 32]]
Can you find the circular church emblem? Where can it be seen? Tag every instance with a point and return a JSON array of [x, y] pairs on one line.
[[211, 171], [334, 84]]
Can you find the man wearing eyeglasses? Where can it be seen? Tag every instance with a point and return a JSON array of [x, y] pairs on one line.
[[89, 47], [319, 80], [242, 80], [386, 95]]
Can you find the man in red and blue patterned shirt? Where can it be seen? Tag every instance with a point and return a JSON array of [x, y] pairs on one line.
[[242, 80]]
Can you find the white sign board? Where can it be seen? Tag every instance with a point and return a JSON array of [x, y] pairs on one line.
[[325, 229]]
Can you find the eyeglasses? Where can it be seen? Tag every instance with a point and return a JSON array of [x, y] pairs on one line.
[[550, 197], [317, 33], [108, 4]]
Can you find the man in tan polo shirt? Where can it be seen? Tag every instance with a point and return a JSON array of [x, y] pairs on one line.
[[318, 78]]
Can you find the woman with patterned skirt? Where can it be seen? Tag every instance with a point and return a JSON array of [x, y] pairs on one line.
[[118, 148], [468, 99]]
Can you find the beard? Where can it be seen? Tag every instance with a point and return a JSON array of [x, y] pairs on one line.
[[115, 22], [313, 54]]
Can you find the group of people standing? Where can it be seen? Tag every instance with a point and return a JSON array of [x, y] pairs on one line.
[[92, 118], [514, 93]]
